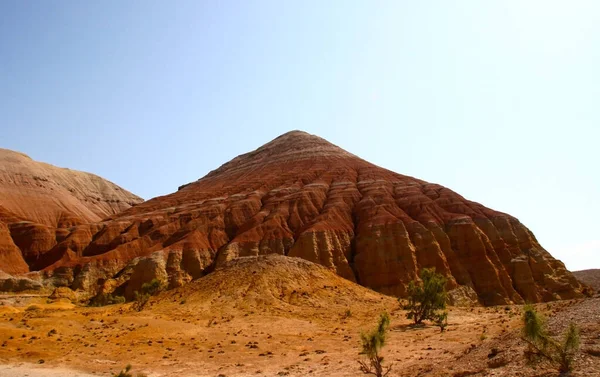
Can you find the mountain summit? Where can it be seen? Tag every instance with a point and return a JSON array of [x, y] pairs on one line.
[[301, 196]]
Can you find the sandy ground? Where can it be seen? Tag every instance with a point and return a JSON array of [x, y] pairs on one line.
[[31, 370], [170, 342], [177, 337]]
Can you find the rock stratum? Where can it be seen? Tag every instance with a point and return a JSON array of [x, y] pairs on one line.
[[301, 196], [39, 203]]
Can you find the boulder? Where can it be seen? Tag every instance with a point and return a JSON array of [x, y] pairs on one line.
[[63, 293]]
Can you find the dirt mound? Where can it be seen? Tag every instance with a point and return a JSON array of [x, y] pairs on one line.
[[275, 284]]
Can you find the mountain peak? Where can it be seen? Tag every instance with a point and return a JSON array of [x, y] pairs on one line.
[[292, 146], [294, 133]]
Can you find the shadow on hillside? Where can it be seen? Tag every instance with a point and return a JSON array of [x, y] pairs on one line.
[[409, 327]]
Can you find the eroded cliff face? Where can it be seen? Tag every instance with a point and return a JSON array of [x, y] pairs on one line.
[[302, 196], [11, 259]]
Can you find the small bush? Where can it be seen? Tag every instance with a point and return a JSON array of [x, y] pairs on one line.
[[426, 299], [127, 373], [148, 290], [106, 299], [441, 320], [152, 288], [542, 346], [372, 343]]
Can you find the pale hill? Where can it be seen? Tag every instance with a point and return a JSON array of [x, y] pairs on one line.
[[58, 197]]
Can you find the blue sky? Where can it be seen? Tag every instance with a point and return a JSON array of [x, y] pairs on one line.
[[497, 100]]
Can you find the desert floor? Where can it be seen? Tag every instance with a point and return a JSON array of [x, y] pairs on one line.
[[40, 337]]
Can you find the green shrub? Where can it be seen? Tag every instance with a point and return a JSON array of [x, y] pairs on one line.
[[127, 373], [106, 299], [441, 320], [543, 347], [372, 343], [426, 299], [148, 290], [152, 288]]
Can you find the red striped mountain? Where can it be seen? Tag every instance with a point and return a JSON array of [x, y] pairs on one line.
[[302, 196]]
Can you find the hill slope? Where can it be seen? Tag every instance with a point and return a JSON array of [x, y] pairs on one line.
[[57, 197], [301, 196], [589, 277]]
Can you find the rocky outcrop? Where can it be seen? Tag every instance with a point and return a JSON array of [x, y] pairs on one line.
[[302, 196], [57, 197], [9, 283], [63, 293], [11, 259], [146, 270], [463, 296]]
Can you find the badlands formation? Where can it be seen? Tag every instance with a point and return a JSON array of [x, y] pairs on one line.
[[39, 203], [274, 263], [272, 315], [298, 196]]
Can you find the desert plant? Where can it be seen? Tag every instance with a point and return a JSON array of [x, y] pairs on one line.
[[104, 299], [426, 299], [140, 300], [152, 288], [542, 346], [568, 348], [127, 373], [147, 290], [441, 320], [372, 343]]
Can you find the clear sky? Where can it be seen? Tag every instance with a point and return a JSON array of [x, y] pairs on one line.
[[497, 100]]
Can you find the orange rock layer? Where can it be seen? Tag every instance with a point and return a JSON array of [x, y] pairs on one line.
[[302, 196]]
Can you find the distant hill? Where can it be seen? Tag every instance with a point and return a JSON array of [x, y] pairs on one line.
[[589, 277], [57, 197]]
